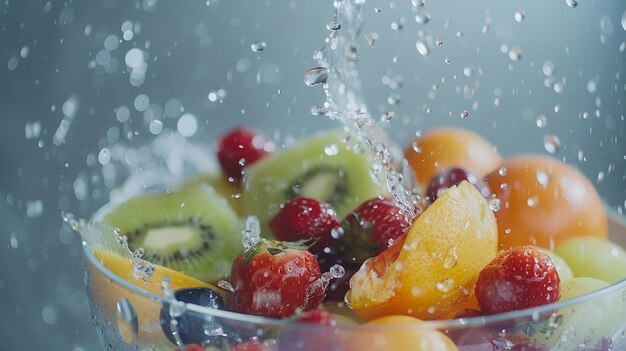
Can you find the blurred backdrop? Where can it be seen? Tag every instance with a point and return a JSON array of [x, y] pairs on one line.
[[79, 77]]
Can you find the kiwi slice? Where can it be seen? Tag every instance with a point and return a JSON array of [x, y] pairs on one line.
[[323, 167], [192, 231]]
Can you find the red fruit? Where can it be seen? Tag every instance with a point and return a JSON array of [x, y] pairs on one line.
[[252, 345], [323, 335], [519, 278], [192, 347], [239, 148], [275, 279], [305, 218], [370, 229]]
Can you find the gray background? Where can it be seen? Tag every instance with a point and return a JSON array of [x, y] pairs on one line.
[[194, 48]]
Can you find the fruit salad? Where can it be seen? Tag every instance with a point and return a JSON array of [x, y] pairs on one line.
[[311, 235]]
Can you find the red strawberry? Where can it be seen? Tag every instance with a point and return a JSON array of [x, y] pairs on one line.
[[370, 228], [252, 345], [323, 335], [275, 279], [519, 278], [240, 148], [305, 218]]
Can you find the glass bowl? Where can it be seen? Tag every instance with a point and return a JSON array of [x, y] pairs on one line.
[[502, 70], [126, 317]]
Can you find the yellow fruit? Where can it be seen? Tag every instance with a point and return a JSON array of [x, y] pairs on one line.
[[444, 148], [107, 294], [398, 333], [430, 273], [230, 191]]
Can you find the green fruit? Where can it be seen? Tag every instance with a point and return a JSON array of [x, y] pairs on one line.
[[564, 271], [594, 257], [191, 231], [580, 286], [322, 167]]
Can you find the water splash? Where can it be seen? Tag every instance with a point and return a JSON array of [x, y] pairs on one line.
[[342, 87]]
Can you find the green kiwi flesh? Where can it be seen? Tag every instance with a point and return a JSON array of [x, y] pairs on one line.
[[323, 167], [192, 231]]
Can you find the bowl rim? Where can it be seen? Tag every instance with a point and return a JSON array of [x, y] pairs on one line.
[[461, 323]]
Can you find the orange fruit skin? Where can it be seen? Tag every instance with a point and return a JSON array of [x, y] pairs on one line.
[[430, 273], [565, 206], [398, 333], [449, 147]]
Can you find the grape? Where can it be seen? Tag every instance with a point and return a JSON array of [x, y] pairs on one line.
[[454, 176], [565, 272], [595, 258], [580, 286]]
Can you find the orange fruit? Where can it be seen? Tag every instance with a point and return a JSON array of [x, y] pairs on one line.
[[543, 202], [398, 333], [430, 272], [444, 148]]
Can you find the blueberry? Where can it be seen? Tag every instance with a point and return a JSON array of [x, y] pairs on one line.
[[454, 176], [195, 328]]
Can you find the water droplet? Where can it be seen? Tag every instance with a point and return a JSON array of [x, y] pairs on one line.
[[532, 201], [624, 20], [337, 271], [336, 232], [418, 3], [542, 121], [127, 322], [451, 259], [187, 125], [225, 285], [592, 86], [258, 46], [548, 68], [333, 26], [371, 38], [515, 54], [445, 285], [572, 3], [543, 178], [319, 110], [464, 114], [331, 150], [439, 41], [502, 171], [252, 233], [551, 143], [422, 18], [393, 99], [519, 15], [387, 116], [495, 204], [447, 60], [316, 76], [421, 48]]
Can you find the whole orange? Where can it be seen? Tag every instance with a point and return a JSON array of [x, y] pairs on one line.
[[448, 147], [544, 201], [398, 333]]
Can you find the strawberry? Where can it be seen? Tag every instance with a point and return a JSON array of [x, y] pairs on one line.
[[519, 278], [304, 218], [371, 228], [275, 279], [454, 176], [239, 148], [323, 335]]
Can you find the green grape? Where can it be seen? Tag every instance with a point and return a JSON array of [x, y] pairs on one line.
[[594, 257], [565, 272], [579, 286]]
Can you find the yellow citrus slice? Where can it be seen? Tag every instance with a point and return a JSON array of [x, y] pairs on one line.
[[108, 295], [430, 273], [398, 333]]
